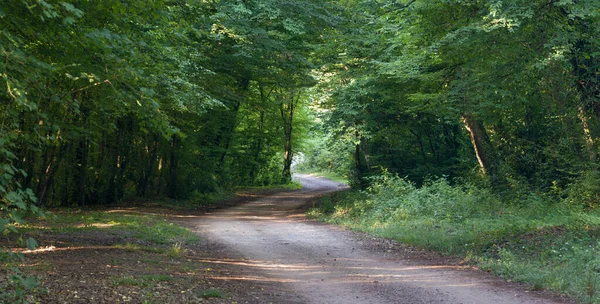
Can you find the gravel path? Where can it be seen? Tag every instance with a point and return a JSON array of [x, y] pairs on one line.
[[296, 260]]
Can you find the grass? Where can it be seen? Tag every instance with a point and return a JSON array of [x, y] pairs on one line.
[[148, 280], [291, 186], [549, 245], [214, 293], [146, 228], [175, 250]]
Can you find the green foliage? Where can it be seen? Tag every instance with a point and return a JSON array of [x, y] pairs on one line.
[[212, 293], [399, 198], [585, 191], [325, 153], [105, 101], [560, 258], [108, 101], [405, 78], [15, 286]]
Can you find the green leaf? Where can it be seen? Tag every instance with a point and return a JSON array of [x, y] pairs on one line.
[[17, 218], [34, 209], [30, 283], [72, 9], [31, 244], [3, 224], [68, 21]]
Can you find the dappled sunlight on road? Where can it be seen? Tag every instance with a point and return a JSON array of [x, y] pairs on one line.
[[343, 272], [53, 249]]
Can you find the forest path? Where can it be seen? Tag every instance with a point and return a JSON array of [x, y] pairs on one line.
[[296, 260]]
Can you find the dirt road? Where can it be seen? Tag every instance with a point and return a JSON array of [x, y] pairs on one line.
[[300, 261]]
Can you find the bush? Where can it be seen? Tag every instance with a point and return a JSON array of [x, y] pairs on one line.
[[400, 198], [15, 286], [585, 191]]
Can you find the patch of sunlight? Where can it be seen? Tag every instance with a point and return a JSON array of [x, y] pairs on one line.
[[31, 226], [341, 211], [98, 225], [42, 249]]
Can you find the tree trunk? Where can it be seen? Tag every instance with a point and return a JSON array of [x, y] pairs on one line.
[[47, 178], [589, 139], [480, 143], [287, 159], [264, 98], [172, 185], [149, 170], [361, 164], [287, 110], [111, 192], [258, 146], [120, 159], [99, 162], [227, 132], [421, 146], [82, 162]]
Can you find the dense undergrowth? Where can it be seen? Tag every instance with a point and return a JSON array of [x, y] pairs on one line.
[[547, 243]]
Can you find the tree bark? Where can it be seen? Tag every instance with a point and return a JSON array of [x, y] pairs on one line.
[[151, 150], [287, 110], [258, 146], [361, 163], [227, 132], [421, 146], [120, 159], [82, 162], [172, 185], [480, 142], [47, 178], [589, 139], [264, 98]]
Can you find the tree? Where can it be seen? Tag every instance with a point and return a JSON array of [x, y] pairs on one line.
[[438, 87]]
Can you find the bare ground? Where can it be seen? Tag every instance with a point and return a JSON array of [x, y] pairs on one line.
[[262, 251]]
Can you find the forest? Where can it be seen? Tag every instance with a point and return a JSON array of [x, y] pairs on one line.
[[180, 98], [107, 101]]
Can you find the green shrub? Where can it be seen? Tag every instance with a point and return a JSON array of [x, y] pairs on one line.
[[15, 286], [585, 191]]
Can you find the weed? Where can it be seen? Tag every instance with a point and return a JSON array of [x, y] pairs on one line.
[[175, 250], [133, 248], [148, 280], [187, 269], [212, 293], [125, 281], [15, 285]]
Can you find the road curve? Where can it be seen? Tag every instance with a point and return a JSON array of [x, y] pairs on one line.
[[268, 240]]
